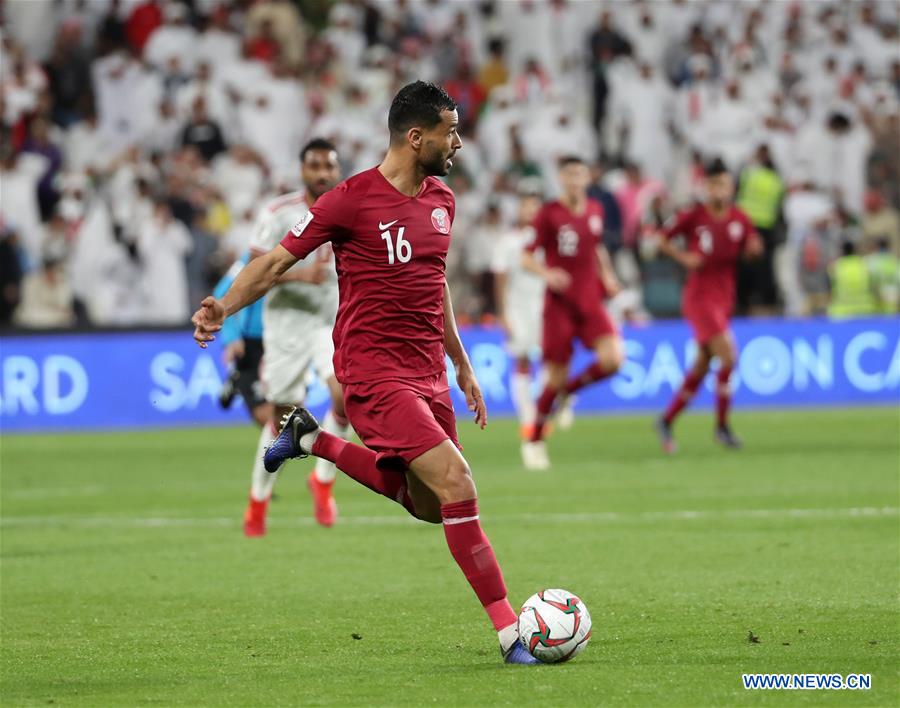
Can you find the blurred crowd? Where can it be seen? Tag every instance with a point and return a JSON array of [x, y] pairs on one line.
[[140, 137]]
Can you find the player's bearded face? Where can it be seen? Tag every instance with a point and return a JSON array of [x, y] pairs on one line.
[[320, 171], [439, 145]]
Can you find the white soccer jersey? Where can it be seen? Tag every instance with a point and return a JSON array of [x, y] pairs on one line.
[[524, 291], [291, 303], [297, 317]]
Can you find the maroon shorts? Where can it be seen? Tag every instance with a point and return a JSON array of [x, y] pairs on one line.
[[564, 322], [401, 419], [706, 321]]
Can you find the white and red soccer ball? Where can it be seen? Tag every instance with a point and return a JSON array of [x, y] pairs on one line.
[[554, 626]]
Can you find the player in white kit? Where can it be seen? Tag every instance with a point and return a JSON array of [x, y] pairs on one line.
[[298, 319], [520, 301]]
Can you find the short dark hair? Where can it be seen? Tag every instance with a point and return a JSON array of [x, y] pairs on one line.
[[418, 104], [496, 45], [567, 160], [317, 144], [715, 167], [838, 121]]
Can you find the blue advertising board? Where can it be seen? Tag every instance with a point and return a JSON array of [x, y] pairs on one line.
[[137, 379]]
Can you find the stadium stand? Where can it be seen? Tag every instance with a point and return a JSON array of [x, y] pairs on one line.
[[140, 137]]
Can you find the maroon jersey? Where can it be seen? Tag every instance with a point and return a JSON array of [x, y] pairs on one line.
[[390, 252], [570, 241], [721, 243]]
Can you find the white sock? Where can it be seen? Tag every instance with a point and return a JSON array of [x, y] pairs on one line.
[[509, 635], [522, 400], [262, 482], [325, 470]]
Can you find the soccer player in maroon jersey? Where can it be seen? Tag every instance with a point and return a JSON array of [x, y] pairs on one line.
[[716, 236], [579, 275], [390, 230]]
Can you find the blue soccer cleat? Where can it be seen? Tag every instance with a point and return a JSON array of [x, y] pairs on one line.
[[517, 654], [287, 445]]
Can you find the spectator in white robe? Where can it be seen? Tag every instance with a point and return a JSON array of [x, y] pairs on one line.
[[650, 38], [163, 246], [33, 24], [837, 153], [46, 297], [86, 147], [644, 118], [731, 127], [23, 82], [218, 45], [175, 40], [694, 101], [239, 175], [346, 39], [492, 131], [271, 117], [127, 99], [164, 135]]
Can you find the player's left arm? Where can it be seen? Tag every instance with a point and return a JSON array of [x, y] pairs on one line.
[[465, 375], [607, 272]]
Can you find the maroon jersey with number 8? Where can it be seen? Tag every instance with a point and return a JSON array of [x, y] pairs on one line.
[[721, 243]]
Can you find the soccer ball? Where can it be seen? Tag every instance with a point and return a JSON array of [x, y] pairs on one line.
[[554, 625]]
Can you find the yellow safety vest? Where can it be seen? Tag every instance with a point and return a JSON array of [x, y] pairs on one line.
[[759, 195], [851, 288]]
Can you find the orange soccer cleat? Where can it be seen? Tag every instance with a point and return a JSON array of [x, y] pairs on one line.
[[324, 506], [255, 518]]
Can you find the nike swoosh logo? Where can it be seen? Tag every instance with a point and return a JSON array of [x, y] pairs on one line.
[[382, 227]]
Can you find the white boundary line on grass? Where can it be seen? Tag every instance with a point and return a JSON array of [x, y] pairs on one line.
[[607, 517]]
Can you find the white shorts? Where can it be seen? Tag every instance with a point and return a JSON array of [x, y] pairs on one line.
[[287, 365], [525, 334]]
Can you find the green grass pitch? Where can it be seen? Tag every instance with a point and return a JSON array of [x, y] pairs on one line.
[[126, 580]]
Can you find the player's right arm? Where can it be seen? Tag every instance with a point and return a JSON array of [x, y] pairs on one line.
[[680, 227], [254, 281], [556, 279], [231, 334], [329, 217]]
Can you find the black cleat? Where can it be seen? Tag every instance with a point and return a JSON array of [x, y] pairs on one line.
[[728, 438], [287, 445]]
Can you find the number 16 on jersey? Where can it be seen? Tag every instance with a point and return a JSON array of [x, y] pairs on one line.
[[402, 250]]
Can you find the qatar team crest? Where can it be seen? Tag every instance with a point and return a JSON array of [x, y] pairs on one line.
[[735, 230], [441, 220], [595, 224]]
